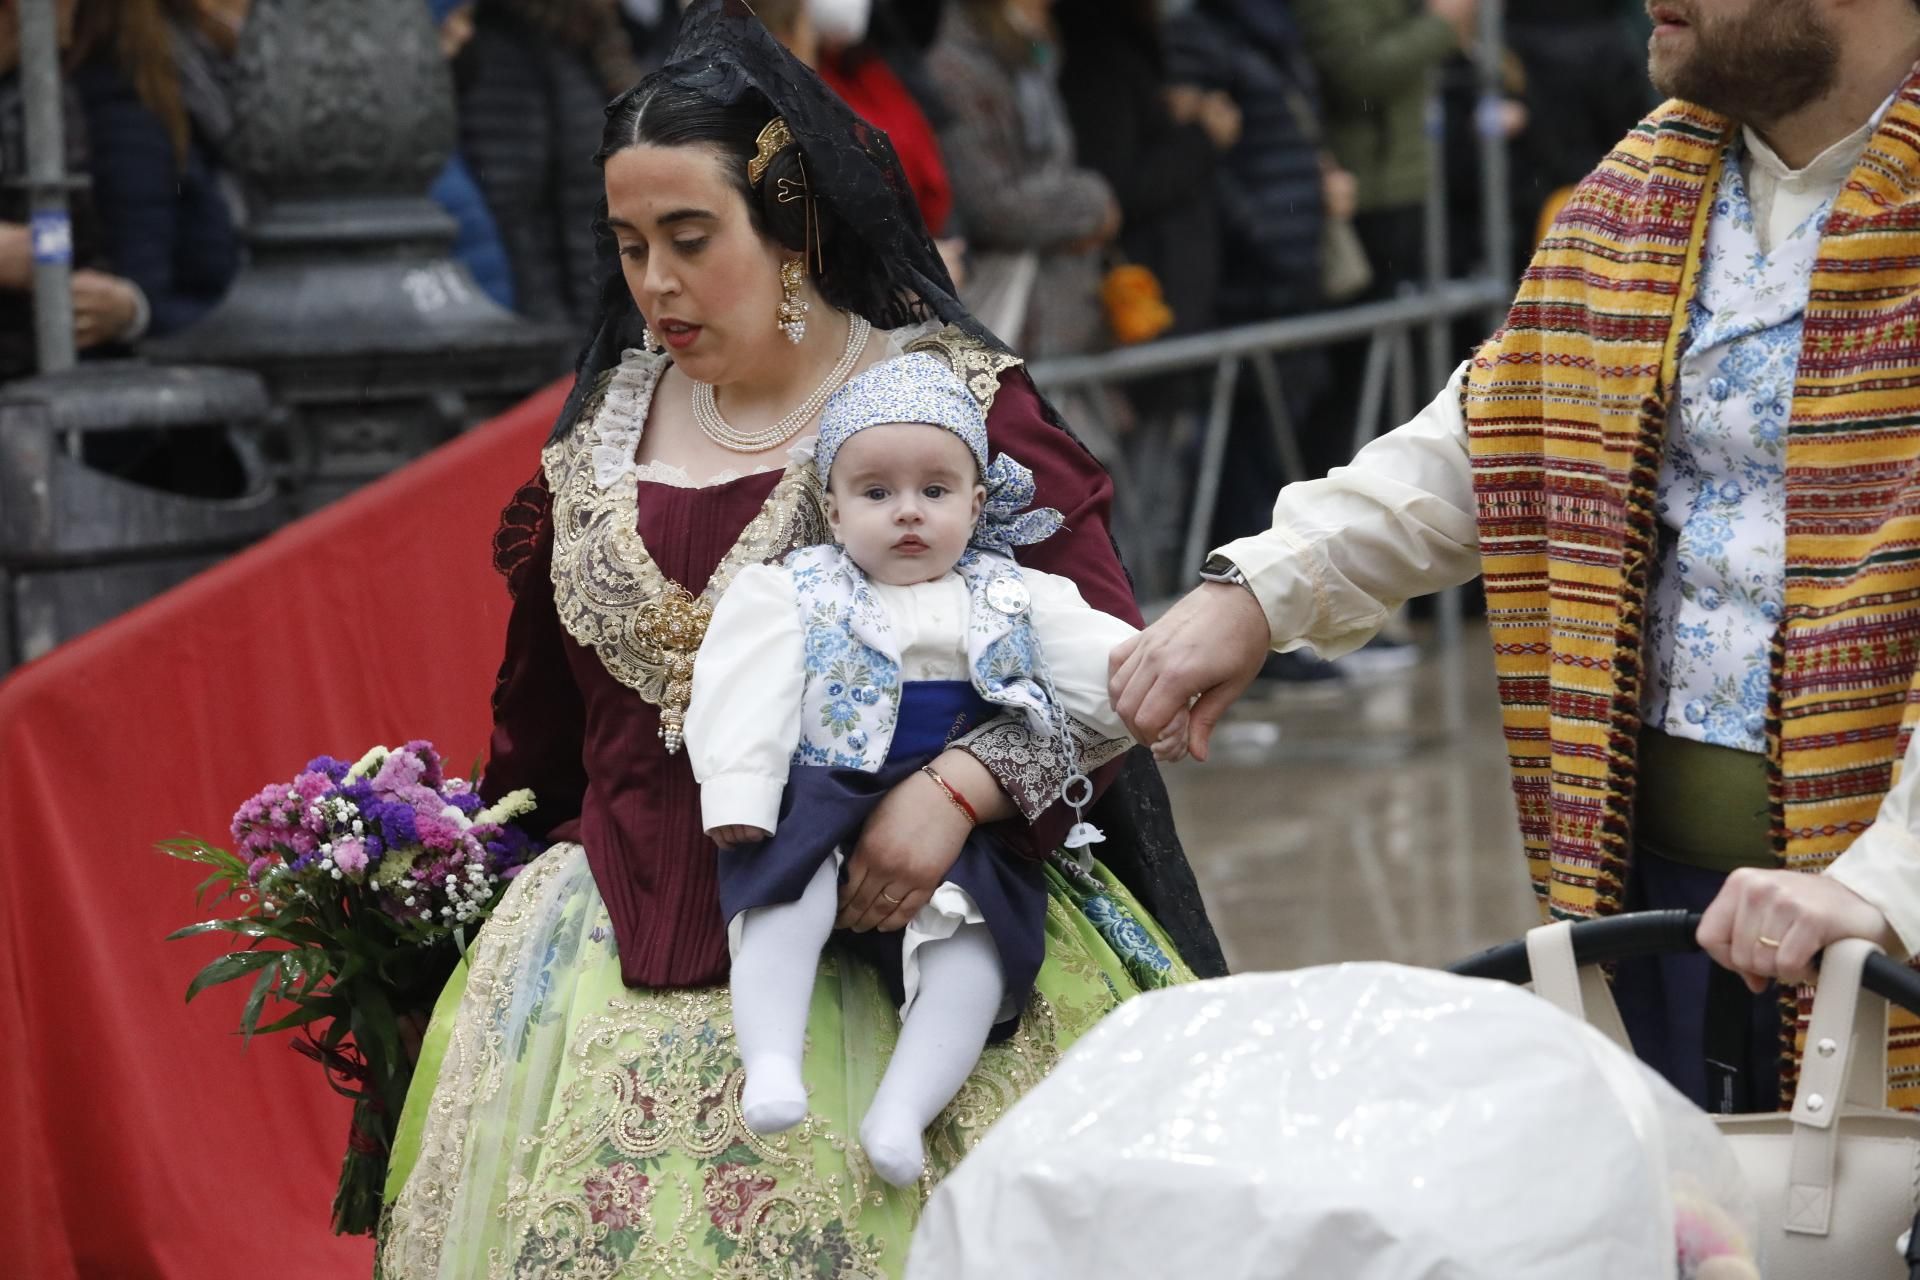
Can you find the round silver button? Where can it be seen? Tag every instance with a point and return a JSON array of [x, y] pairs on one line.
[[1815, 1102], [1826, 1048], [1009, 595]]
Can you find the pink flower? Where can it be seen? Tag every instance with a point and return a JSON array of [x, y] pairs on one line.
[[619, 1199], [257, 868], [731, 1190], [350, 855], [437, 832], [257, 810], [311, 786]]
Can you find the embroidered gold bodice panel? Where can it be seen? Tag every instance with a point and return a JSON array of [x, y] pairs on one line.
[[610, 594], [973, 361]]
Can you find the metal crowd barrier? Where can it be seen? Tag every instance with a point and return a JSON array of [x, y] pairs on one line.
[[1389, 384]]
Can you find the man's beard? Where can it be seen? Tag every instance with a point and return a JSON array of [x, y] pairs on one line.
[[1756, 69]]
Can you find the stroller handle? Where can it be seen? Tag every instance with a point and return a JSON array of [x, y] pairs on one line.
[[1657, 933]]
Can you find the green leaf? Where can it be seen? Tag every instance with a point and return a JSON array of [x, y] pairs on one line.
[[256, 999], [245, 926], [190, 850], [372, 1012], [300, 1017], [226, 968]]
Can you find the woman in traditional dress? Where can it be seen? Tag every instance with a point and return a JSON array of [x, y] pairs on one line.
[[576, 1107]]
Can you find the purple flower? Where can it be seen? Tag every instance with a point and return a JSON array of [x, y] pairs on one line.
[[396, 822], [466, 802], [335, 770], [402, 769], [431, 773]]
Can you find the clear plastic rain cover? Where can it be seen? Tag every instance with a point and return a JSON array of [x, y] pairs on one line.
[[1353, 1122]]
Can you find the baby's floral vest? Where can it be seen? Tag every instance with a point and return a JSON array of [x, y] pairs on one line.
[[851, 699]]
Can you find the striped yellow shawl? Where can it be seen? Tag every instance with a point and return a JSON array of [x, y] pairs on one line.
[[1566, 413]]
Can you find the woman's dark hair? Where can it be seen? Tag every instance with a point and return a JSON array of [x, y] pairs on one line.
[[660, 112], [726, 79]]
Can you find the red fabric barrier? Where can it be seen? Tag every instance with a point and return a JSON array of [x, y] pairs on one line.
[[140, 1139]]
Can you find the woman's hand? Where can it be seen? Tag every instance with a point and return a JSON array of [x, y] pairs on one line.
[[1340, 189], [912, 841], [1768, 925], [104, 307], [729, 837], [1220, 117]]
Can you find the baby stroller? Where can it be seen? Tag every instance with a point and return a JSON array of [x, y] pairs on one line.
[[1350, 1122], [1837, 1179], [1379, 1122]]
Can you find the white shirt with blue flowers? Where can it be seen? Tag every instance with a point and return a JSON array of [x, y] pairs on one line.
[[1719, 583]]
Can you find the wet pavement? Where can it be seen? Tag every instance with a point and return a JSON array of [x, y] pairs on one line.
[[1364, 819]]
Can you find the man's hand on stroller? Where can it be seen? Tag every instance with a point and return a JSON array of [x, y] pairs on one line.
[[1771, 925]]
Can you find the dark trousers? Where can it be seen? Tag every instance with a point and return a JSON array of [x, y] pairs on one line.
[[1669, 1002]]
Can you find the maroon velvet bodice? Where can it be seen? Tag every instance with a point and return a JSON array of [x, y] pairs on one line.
[[590, 749]]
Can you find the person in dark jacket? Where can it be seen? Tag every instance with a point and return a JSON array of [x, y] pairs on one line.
[[1113, 78], [477, 246], [109, 310], [533, 84], [1273, 188], [165, 220]]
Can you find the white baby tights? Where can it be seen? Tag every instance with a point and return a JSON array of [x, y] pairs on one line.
[[961, 986]]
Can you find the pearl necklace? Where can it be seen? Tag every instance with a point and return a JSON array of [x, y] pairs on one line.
[[706, 411]]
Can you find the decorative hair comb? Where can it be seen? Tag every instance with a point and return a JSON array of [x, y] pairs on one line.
[[772, 138]]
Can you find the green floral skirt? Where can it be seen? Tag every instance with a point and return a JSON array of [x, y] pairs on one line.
[[563, 1124]]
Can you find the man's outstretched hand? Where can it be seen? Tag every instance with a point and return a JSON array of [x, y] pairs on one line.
[[1208, 647]]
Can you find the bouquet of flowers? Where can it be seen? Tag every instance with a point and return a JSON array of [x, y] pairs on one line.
[[357, 885]]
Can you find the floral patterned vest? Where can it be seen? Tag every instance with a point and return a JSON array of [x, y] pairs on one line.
[[851, 700]]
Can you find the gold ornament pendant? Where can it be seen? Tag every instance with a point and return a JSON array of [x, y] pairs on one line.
[[667, 631]]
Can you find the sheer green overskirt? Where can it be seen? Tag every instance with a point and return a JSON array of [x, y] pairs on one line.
[[563, 1124]]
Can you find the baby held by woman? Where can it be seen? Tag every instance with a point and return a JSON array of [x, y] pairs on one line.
[[826, 681]]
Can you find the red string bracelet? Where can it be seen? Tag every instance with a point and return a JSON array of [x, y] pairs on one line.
[[953, 794]]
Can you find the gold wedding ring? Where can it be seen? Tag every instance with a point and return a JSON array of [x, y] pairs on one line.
[[1765, 941], [893, 901]]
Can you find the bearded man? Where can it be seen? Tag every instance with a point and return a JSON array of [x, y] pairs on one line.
[[1688, 471]]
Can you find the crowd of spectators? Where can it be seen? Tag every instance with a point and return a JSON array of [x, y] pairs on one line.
[[1259, 158]]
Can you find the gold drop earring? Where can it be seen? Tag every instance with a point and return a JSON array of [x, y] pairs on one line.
[[791, 318]]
